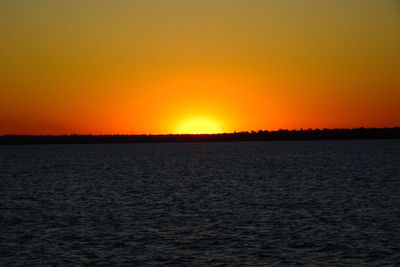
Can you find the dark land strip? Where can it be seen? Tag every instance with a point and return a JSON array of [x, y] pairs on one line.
[[310, 134]]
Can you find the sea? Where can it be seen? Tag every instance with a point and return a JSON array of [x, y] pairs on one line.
[[280, 203]]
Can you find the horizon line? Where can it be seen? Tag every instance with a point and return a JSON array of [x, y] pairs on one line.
[[207, 134]]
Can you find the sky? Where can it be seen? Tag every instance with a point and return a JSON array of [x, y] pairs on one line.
[[185, 66]]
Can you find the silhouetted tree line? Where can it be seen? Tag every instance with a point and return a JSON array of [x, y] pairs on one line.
[[309, 134]]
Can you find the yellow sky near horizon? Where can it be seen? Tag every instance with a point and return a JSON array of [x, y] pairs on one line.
[[107, 67]]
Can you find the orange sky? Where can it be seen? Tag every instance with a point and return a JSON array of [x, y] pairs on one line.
[[117, 67]]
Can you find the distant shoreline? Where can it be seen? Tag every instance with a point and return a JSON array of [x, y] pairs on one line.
[[310, 134]]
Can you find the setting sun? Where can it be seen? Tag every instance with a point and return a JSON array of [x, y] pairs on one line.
[[200, 132], [199, 125], [164, 67]]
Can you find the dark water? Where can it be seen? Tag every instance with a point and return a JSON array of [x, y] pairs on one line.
[[269, 203]]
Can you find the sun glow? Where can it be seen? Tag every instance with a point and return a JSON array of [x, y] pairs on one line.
[[199, 125]]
